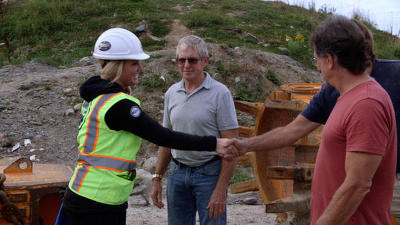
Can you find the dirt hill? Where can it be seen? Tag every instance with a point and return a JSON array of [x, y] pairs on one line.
[[37, 101], [41, 103]]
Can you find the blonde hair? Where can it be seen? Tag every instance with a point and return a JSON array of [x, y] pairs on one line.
[[111, 70]]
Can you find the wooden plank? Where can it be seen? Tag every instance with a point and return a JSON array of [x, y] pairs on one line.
[[245, 186], [299, 173], [249, 107], [278, 95], [246, 131], [245, 159]]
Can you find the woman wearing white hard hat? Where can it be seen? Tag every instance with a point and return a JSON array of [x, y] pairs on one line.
[[110, 134]]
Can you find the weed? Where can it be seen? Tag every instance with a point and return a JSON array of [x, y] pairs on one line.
[[74, 101], [226, 70], [206, 18], [47, 86], [239, 177], [271, 76], [153, 82], [159, 28], [245, 92], [7, 106], [174, 74], [156, 56], [152, 45]]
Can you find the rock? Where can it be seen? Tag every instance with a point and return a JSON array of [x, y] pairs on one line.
[[68, 91], [154, 38], [250, 201], [32, 157], [237, 79], [143, 185], [5, 140], [28, 85], [162, 78], [86, 61], [27, 142], [37, 137], [16, 147], [77, 107], [266, 44], [32, 150], [150, 164], [2, 107], [69, 112], [283, 49], [141, 28]]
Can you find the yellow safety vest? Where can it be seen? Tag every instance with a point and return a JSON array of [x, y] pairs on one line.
[[107, 158]]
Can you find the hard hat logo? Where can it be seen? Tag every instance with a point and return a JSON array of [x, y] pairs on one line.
[[104, 46]]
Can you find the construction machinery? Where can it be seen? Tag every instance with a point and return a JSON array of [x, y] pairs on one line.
[[283, 176]]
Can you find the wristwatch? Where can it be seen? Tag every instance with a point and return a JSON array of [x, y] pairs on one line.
[[157, 176]]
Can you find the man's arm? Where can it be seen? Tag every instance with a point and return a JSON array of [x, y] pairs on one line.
[[164, 157], [217, 202], [278, 137], [360, 168]]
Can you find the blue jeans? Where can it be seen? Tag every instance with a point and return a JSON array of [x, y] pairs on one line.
[[189, 190]]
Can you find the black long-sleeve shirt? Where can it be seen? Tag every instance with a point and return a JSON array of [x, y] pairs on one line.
[[119, 117]]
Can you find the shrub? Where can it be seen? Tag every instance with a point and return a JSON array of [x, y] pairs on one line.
[[273, 78]]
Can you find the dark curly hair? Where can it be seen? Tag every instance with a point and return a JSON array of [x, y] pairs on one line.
[[348, 40]]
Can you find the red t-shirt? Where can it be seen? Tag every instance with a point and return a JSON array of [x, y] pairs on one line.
[[362, 120]]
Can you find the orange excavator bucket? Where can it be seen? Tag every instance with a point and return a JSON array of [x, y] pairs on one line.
[[283, 176]]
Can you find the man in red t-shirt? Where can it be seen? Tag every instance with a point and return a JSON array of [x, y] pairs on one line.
[[355, 168]]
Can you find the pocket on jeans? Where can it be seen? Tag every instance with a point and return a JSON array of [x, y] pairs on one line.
[[173, 168], [211, 169]]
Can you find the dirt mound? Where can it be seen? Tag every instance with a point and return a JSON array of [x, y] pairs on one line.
[[41, 103]]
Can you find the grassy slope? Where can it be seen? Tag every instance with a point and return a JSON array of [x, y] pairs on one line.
[[60, 32]]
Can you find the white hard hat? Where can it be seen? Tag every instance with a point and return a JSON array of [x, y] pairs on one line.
[[118, 44]]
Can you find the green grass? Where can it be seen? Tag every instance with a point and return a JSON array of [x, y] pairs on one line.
[[60, 32], [239, 177], [246, 92]]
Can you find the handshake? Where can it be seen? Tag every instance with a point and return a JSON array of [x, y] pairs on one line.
[[230, 148]]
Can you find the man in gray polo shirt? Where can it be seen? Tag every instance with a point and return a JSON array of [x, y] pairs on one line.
[[198, 104]]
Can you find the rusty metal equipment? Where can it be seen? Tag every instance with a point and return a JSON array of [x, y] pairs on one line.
[[33, 189], [283, 176]]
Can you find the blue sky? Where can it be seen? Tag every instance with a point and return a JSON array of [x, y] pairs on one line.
[[385, 14]]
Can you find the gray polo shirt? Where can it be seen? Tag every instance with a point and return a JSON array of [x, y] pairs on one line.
[[206, 111]]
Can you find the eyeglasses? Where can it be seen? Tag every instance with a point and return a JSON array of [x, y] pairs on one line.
[[314, 61], [192, 61]]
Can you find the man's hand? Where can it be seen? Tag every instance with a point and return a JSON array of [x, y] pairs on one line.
[[216, 205], [156, 194], [225, 149], [239, 147]]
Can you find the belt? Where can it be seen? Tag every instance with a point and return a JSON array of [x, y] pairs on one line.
[[215, 158]]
